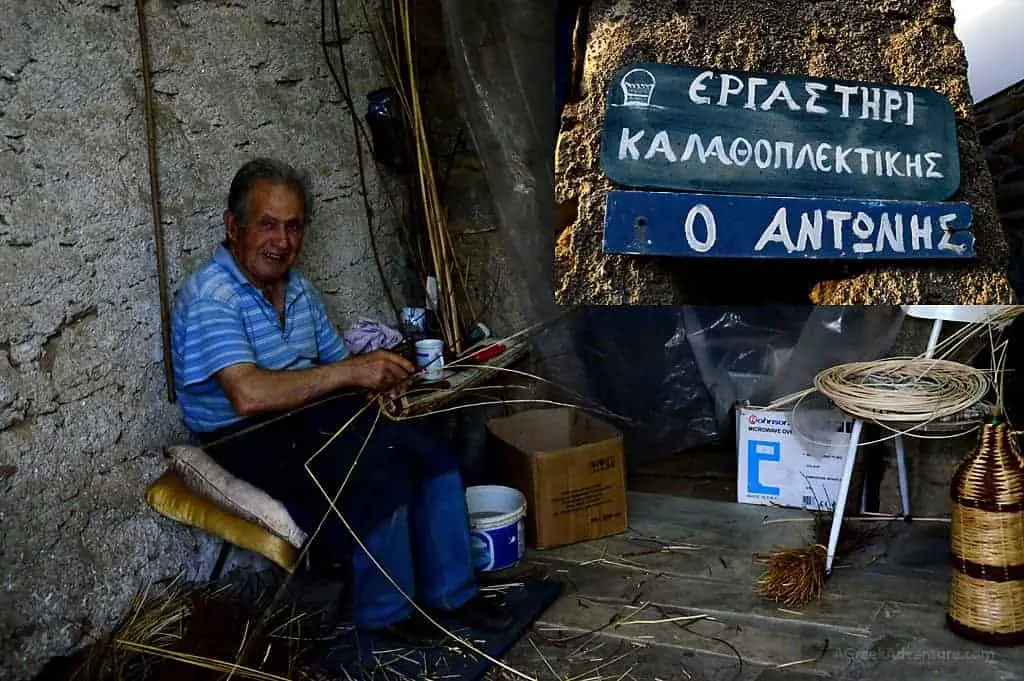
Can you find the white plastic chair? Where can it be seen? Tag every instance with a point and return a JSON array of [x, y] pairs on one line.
[[939, 314]]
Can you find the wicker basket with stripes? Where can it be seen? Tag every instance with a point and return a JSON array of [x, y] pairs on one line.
[[986, 599]]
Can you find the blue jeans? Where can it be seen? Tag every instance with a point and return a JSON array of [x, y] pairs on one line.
[[404, 499]]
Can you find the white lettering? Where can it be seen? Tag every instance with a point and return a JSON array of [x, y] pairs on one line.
[[698, 86], [820, 157], [752, 85], [838, 218], [864, 154], [777, 232], [863, 227], [763, 154], [781, 91], [741, 145], [806, 155], [893, 103], [847, 91], [871, 103], [890, 163], [784, 147], [920, 233], [946, 242], [661, 145], [693, 142], [887, 232], [823, 157], [914, 168], [815, 90], [717, 148], [809, 231], [841, 164], [628, 145], [723, 97], [710, 231]]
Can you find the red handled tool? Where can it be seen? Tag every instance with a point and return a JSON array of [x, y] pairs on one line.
[[489, 352]]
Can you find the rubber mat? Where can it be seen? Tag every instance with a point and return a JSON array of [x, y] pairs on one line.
[[369, 657]]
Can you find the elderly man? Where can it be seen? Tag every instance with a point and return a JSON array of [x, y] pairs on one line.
[[264, 380]]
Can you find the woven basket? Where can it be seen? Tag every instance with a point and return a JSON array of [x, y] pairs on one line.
[[986, 600]]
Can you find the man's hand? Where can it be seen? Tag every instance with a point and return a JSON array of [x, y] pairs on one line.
[[255, 391], [380, 370]]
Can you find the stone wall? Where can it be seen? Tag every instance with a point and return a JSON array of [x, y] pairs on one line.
[[908, 42], [83, 408], [1001, 129]]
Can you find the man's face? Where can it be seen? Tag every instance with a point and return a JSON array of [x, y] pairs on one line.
[[268, 244]]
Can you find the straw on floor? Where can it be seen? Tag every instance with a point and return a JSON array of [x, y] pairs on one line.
[[796, 577]]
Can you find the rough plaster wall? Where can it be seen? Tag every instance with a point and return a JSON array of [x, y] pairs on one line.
[[83, 412], [901, 41], [1001, 129]]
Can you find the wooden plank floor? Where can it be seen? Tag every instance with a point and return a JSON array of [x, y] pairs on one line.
[[620, 618]]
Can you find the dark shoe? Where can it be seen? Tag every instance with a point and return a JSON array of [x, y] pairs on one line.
[[484, 613], [415, 632]]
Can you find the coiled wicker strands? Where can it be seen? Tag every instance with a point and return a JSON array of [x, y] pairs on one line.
[[915, 390], [986, 600]]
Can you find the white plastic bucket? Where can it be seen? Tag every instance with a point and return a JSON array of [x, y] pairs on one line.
[[496, 526]]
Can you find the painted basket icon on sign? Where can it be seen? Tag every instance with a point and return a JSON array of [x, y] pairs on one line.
[[687, 129]]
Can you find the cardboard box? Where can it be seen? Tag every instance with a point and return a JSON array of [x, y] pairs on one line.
[[571, 468], [775, 468]]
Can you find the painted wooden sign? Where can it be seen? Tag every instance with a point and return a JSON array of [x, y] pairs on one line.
[[676, 127], [718, 226]]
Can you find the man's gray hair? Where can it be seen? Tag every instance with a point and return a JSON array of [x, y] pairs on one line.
[[270, 170]]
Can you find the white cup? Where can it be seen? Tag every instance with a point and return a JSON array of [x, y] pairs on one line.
[[430, 358]]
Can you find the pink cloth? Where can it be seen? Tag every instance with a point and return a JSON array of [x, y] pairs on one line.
[[368, 335]]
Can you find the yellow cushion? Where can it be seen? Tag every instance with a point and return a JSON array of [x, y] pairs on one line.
[[205, 477], [171, 497]]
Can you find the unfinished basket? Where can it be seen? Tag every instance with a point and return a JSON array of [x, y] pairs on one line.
[[986, 600]]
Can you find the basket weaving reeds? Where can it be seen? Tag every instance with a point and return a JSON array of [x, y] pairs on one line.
[[986, 599]]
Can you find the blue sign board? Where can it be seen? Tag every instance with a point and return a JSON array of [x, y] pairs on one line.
[[708, 130], [722, 226]]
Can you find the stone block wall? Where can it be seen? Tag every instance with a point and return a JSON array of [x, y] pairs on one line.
[[1000, 121]]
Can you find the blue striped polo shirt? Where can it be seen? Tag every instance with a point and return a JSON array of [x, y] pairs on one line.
[[221, 319]]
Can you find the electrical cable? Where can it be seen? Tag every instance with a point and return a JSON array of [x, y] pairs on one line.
[[344, 85]]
